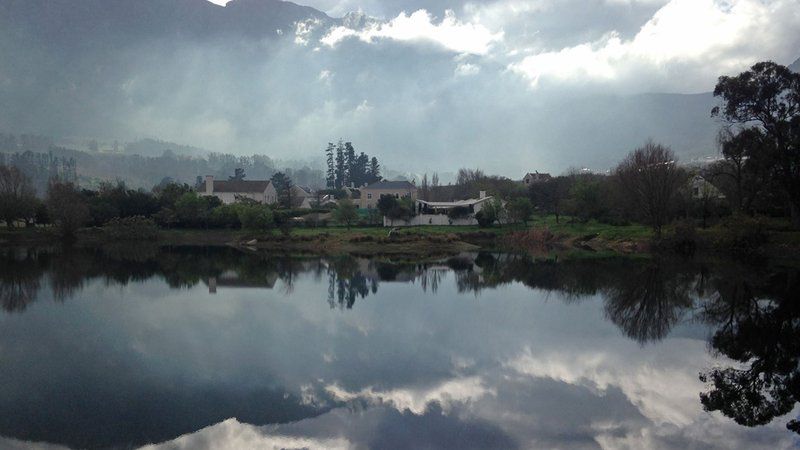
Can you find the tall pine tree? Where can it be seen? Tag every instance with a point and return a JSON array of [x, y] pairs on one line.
[[341, 166], [330, 178]]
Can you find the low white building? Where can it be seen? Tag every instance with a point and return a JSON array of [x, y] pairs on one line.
[[439, 213], [231, 191]]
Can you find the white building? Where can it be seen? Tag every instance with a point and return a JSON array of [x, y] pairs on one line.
[[231, 191], [439, 213]]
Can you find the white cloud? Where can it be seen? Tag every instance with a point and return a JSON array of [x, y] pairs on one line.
[[467, 69], [232, 435], [450, 33], [686, 44], [303, 30], [416, 400]]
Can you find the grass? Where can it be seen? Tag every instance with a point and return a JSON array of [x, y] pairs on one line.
[[603, 230]]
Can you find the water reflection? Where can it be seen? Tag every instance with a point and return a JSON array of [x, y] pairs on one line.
[[459, 364]]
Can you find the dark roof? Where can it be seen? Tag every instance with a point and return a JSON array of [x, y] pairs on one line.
[[241, 186], [391, 185]]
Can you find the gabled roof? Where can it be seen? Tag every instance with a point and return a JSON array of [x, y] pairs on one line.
[[467, 202], [400, 184], [250, 186]]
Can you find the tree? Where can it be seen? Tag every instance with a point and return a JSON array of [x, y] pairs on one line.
[[765, 102], [520, 210], [424, 188], [66, 207], [238, 174], [395, 209], [341, 166], [254, 216], [350, 164], [374, 170], [550, 195], [283, 186], [330, 174], [346, 212], [650, 177], [17, 196]]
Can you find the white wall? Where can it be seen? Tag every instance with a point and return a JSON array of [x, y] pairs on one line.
[[429, 219]]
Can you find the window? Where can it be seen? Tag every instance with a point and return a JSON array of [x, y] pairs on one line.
[[369, 196]]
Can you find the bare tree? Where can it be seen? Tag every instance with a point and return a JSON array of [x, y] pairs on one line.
[[67, 207], [17, 196], [651, 178]]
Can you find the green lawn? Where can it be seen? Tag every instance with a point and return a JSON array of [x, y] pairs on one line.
[[565, 226]]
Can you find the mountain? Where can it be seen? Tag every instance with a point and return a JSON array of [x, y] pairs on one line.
[[795, 66], [254, 77]]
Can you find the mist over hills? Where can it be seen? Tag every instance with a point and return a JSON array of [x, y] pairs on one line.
[[257, 76]]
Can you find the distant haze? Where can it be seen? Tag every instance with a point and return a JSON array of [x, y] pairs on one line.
[[506, 85]]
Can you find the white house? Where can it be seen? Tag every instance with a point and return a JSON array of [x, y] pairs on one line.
[[231, 191], [536, 178], [438, 213]]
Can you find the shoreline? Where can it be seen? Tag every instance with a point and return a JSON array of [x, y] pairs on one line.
[[416, 242]]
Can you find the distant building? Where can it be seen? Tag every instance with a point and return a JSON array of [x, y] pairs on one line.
[[397, 189], [231, 191], [702, 189], [535, 177], [302, 198], [439, 213]]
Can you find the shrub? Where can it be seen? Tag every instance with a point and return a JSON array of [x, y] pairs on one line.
[[255, 217], [683, 238], [137, 228], [740, 234], [459, 212]]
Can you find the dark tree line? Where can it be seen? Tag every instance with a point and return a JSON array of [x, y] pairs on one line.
[[345, 168]]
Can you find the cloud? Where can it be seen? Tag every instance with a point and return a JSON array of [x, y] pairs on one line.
[[684, 46], [416, 400], [467, 69], [451, 33], [231, 434]]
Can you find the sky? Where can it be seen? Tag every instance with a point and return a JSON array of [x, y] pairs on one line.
[[510, 86], [510, 73]]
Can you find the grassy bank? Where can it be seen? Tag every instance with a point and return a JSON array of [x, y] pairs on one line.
[[541, 235]]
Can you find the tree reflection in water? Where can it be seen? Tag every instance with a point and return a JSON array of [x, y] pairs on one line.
[[755, 312], [758, 320]]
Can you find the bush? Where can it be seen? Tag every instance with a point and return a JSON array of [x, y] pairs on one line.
[[740, 234], [683, 238], [255, 217], [131, 228], [227, 216], [459, 212]]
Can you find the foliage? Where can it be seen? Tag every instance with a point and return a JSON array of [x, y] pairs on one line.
[[345, 168], [520, 210], [396, 209], [345, 212], [194, 210], [550, 196], [66, 208], [489, 214], [740, 234], [254, 216], [283, 187], [459, 212], [17, 196], [765, 102], [650, 178], [131, 228]]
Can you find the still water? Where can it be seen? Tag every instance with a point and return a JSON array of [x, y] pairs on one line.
[[224, 348]]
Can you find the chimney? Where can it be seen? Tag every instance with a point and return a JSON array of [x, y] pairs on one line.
[[483, 194], [209, 184]]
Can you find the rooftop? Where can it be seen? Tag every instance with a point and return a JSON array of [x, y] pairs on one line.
[[241, 186], [400, 184]]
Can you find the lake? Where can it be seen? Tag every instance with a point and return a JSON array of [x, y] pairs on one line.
[[225, 348]]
